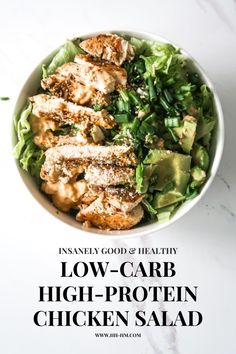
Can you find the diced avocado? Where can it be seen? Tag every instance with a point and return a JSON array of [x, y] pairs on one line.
[[162, 200], [169, 167], [198, 176], [164, 214], [201, 157], [186, 133], [163, 217], [181, 181]]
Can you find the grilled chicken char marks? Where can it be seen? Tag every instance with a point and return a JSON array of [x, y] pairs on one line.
[[69, 88], [91, 73], [109, 47], [62, 160], [58, 109]]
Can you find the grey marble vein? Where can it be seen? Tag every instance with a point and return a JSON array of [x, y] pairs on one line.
[[169, 334], [227, 185], [228, 210], [219, 10]]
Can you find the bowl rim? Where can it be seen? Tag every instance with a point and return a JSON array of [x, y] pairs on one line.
[[152, 227]]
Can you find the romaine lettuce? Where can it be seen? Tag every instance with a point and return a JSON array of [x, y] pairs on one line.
[[65, 54]]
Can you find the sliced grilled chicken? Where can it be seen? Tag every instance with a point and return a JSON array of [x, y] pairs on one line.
[[69, 88], [121, 198], [105, 175], [103, 77], [57, 109], [67, 161], [109, 47], [105, 216]]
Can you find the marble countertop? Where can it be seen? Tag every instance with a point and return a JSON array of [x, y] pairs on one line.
[[205, 237]]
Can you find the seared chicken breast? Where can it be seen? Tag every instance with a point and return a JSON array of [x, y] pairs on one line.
[[105, 216], [105, 175], [79, 172], [109, 47], [68, 161], [103, 77], [72, 90], [57, 109]]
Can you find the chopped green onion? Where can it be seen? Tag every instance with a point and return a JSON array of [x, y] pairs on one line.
[[158, 86], [164, 103], [167, 95], [145, 129], [97, 107], [135, 125], [124, 95], [4, 98], [140, 66], [122, 117], [135, 98], [123, 106], [151, 118], [172, 122], [173, 135], [152, 92]]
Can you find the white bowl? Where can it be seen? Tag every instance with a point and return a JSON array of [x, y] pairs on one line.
[[30, 88]]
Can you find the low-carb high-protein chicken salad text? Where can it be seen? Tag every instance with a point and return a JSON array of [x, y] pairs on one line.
[[119, 131]]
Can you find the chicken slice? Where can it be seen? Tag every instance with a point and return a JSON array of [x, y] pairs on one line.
[[109, 47], [57, 109], [65, 195], [105, 216], [70, 89], [121, 198], [105, 175], [66, 161], [103, 77]]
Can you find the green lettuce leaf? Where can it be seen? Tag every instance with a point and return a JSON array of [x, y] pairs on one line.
[[163, 57], [22, 129], [30, 157], [65, 54]]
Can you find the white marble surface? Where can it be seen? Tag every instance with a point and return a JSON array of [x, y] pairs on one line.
[[205, 237]]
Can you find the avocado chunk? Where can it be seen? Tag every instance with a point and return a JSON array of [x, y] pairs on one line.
[[168, 167], [198, 176], [186, 133], [162, 200], [201, 157]]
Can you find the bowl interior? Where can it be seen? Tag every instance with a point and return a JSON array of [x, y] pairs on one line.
[[30, 88]]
